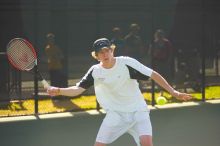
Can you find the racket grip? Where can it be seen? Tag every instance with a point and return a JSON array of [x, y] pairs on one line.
[[45, 84]]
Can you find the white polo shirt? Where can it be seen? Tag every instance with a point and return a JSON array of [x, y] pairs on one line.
[[117, 88]]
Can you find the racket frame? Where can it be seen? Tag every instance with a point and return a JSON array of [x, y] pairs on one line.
[[44, 82]]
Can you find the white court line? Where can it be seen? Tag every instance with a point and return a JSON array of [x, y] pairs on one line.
[[95, 112], [50, 116], [19, 118], [213, 101], [177, 105], [56, 115]]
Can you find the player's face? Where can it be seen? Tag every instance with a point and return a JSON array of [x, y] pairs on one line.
[[105, 55]]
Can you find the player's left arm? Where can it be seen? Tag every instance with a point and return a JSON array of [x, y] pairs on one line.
[[163, 83]]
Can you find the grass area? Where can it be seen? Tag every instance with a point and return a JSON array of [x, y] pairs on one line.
[[211, 93], [26, 107]]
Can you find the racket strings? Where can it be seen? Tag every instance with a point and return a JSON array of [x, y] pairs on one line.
[[21, 54]]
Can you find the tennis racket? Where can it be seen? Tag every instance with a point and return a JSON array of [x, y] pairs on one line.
[[22, 56]]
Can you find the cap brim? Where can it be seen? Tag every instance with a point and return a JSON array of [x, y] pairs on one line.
[[111, 47], [93, 53]]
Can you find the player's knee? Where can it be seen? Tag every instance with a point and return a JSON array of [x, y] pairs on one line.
[[99, 144], [146, 140], [146, 143]]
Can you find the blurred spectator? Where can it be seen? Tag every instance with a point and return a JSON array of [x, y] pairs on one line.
[[162, 55], [55, 62], [194, 65], [217, 57], [133, 42], [192, 68], [118, 41], [181, 75]]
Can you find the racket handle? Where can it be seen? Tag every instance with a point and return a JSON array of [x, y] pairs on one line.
[[45, 84]]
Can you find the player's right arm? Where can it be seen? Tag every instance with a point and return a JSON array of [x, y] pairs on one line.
[[70, 91], [86, 82]]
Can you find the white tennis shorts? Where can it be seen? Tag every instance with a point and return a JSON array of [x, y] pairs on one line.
[[116, 124]]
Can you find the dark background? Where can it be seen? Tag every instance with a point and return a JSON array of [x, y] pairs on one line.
[[76, 24]]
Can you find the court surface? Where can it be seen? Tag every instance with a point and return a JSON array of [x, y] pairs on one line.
[[186, 126]]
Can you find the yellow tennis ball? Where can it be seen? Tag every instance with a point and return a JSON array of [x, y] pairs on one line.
[[161, 100]]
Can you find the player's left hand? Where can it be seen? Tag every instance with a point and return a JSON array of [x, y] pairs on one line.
[[182, 96]]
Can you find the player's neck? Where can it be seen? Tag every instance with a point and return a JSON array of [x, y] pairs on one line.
[[109, 63]]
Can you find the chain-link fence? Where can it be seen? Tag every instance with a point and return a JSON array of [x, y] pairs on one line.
[[70, 27]]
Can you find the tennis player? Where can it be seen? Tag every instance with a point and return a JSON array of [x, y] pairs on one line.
[[117, 91]]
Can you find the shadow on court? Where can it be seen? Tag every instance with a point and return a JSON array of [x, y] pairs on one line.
[[187, 126]]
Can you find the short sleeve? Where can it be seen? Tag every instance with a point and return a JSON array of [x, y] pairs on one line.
[[136, 69], [87, 81]]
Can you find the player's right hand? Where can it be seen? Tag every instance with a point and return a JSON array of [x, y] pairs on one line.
[[53, 91]]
